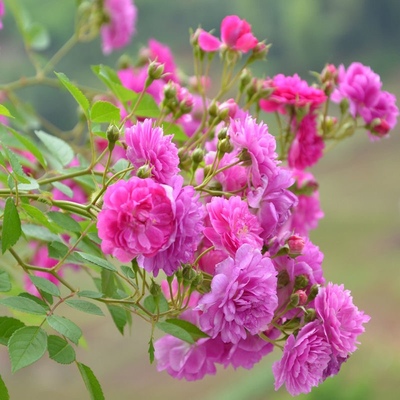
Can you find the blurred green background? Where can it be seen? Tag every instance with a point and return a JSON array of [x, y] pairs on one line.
[[359, 188]]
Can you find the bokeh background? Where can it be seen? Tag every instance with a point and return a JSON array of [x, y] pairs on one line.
[[359, 188]]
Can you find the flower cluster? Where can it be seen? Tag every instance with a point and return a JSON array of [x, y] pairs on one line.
[[207, 210]]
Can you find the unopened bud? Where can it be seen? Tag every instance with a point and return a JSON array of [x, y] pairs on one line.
[[170, 91], [225, 146], [260, 51], [344, 106], [329, 74], [197, 281], [245, 157], [313, 292], [294, 300], [197, 156], [245, 79], [155, 70], [310, 315], [300, 282], [213, 110], [143, 172], [379, 127], [302, 297], [227, 108], [124, 62], [112, 136], [222, 133], [188, 274], [185, 161], [296, 244], [155, 289]]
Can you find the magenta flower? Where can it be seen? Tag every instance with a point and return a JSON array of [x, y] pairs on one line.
[[242, 298], [342, 321], [305, 358], [138, 217], [307, 146], [235, 34], [120, 28], [273, 202], [360, 86], [259, 145], [232, 225], [189, 221], [2, 12], [147, 145], [291, 91]]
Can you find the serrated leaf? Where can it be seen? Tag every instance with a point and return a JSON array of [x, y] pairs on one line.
[[119, 316], [36, 299], [45, 285], [90, 294], [5, 283], [64, 189], [91, 382], [4, 111], [26, 345], [38, 37], [64, 221], [156, 304], [147, 107], [30, 146], [66, 327], [8, 326], [57, 147], [151, 350], [75, 91], [60, 350], [11, 226], [181, 329], [38, 233], [57, 250], [85, 306], [3, 390], [39, 217], [32, 185], [103, 111], [100, 262], [23, 304], [16, 166]]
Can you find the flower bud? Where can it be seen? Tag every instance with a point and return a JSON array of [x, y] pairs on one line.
[[294, 300], [185, 161], [197, 281], [155, 289], [302, 297], [224, 146], [227, 108], [170, 91], [112, 136], [222, 133], [124, 62], [143, 172], [292, 324], [310, 315], [197, 156], [379, 127], [300, 282], [260, 51], [244, 80], [213, 110], [155, 70], [296, 245], [188, 274], [313, 293]]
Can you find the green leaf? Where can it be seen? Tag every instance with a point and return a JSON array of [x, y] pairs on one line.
[[16, 166], [97, 261], [90, 294], [8, 326], [75, 91], [3, 390], [26, 346], [156, 304], [45, 285], [57, 147], [38, 37], [66, 327], [182, 329], [4, 111], [128, 271], [11, 226], [147, 107], [64, 189], [5, 283], [38, 233], [60, 350], [103, 111], [119, 316], [176, 130], [32, 185], [39, 217], [30, 146], [35, 299], [57, 250], [151, 350], [23, 304], [91, 382], [64, 221], [85, 306]]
